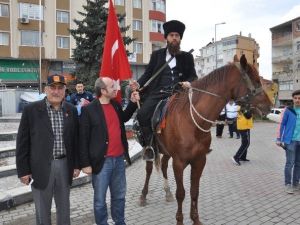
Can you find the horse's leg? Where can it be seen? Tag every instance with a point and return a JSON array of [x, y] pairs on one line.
[[178, 168], [164, 169], [197, 167], [149, 167]]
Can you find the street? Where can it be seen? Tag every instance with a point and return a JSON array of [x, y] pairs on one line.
[[252, 193]]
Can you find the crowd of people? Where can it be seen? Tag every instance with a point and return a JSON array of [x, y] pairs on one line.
[[86, 132]]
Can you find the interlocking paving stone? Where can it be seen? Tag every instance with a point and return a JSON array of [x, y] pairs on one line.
[[248, 194]]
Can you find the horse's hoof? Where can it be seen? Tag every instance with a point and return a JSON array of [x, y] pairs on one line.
[[179, 223], [197, 223], [142, 201], [169, 197]]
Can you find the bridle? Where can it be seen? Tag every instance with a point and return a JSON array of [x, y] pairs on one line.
[[252, 91]]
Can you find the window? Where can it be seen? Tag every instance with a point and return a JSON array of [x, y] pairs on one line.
[[157, 26], [119, 2], [158, 5], [62, 17], [137, 47], [285, 85], [63, 42], [298, 26], [4, 10], [137, 4], [298, 45], [137, 25], [122, 23], [30, 38], [31, 11], [4, 38]]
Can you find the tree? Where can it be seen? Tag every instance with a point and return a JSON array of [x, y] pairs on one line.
[[89, 36]]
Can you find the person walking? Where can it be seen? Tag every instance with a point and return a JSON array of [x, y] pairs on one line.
[[103, 147], [231, 118], [288, 137], [180, 69], [46, 151], [221, 123], [244, 124]]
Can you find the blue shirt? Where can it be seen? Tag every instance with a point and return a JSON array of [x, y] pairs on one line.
[[296, 134]]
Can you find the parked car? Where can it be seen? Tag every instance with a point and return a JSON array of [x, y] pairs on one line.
[[275, 114]]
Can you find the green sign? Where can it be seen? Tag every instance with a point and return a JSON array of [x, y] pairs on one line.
[[19, 70]]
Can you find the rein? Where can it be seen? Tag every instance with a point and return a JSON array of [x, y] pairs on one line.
[[253, 91]]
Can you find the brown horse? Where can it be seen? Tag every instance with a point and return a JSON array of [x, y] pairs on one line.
[[187, 138]]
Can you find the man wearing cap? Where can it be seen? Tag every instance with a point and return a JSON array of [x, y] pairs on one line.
[[46, 151], [180, 69]]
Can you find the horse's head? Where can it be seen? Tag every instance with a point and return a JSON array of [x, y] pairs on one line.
[[250, 91]]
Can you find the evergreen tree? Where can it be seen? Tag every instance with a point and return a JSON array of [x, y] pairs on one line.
[[89, 36]]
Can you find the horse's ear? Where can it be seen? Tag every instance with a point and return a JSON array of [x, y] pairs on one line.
[[235, 58], [243, 62]]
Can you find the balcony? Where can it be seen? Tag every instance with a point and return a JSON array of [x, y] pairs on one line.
[[284, 58]]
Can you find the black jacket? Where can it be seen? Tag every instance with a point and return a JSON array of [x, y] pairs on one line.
[[93, 133], [35, 140], [184, 63]]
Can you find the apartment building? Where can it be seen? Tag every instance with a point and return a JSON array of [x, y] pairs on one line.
[[227, 47], [23, 22], [286, 59]]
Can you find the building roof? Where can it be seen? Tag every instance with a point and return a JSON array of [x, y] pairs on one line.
[[284, 24]]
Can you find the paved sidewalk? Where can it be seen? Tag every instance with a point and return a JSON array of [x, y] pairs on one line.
[[248, 194]]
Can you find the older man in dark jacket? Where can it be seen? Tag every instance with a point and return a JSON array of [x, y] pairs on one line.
[[180, 69], [46, 152]]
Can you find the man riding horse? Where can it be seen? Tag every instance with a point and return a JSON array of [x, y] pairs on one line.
[[180, 69]]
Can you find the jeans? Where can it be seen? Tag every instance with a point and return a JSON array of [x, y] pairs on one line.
[[292, 165], [112, 175]]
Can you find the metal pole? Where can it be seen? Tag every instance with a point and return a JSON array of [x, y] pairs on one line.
[[40, 48], [216, 42]]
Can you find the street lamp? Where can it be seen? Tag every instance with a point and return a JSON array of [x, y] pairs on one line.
[[216, 41]]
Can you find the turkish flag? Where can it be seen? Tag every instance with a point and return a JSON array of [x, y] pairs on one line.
[[114, 60]]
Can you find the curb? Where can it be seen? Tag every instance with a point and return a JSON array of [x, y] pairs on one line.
[[21, 195]]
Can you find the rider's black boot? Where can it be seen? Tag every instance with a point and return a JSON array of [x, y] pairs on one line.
[[148, 151]]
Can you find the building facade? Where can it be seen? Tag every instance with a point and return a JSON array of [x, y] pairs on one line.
[[23, 22], [227, 48], [286, 59]]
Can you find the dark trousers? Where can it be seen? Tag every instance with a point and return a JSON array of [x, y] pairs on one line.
[[146, 111], [245, 142], [232, 127], [220, 127]]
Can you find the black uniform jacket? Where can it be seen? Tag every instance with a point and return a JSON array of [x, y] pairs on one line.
[[184, 63], [93, 133], [35, 140]]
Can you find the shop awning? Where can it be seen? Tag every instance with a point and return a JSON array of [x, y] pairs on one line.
[[19, 70]]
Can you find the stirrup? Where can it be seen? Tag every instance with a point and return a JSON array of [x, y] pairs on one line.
[[148, 156]]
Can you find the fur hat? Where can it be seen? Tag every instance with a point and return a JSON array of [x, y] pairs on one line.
[[174, 26]]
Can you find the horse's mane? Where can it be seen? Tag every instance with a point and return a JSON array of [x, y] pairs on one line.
[[214, 77]]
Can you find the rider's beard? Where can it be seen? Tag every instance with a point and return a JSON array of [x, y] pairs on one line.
[[173, 47]]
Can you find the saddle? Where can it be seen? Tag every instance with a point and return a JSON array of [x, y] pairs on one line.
[[158, 121]]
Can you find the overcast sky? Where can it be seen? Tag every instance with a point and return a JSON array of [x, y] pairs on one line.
[[248, 16]]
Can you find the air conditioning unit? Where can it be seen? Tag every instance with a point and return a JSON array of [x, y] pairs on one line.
[[24, 20]]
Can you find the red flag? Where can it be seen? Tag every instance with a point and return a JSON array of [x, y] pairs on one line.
[[114, 61]]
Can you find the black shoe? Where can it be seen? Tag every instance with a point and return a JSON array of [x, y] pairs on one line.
[[245, 160], [236, 161]]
